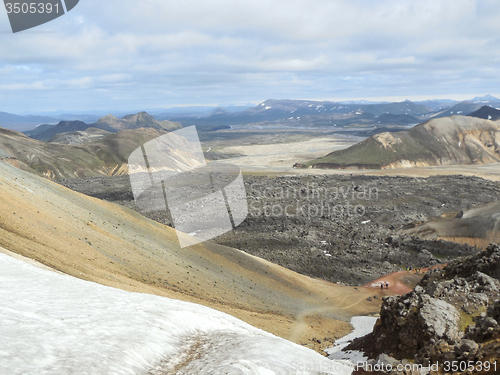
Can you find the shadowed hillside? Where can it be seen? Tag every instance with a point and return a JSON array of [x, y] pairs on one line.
[[486, 112], [106, 156]]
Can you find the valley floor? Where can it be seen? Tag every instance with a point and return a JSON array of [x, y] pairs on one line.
[[272, 159]]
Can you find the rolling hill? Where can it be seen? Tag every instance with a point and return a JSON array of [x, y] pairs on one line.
[[114, 246], [46, 132], [452, 140], [105, 156], [478, 226], [80, 137]]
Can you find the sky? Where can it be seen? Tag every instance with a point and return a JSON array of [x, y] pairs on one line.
[[132, 55]]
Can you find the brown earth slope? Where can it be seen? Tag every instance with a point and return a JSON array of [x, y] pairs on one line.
[[101, 242], [478, 226]]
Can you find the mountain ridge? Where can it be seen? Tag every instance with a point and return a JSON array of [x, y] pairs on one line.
[[105, 156], [108, 123], [443, 141]]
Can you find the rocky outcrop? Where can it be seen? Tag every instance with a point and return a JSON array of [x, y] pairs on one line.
[[486, 262], [408, 323], [452, 315]]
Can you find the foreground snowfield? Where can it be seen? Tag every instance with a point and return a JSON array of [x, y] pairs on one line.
[[52, 323]]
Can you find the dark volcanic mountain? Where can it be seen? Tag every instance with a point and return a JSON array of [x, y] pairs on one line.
[[63, 127], [445, 141], [487, 113], [468, 106]]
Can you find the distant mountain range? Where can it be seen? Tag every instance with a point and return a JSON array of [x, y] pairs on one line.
[[21, 123], [308, 113], [337, 114], [302, 113], [442, 141]]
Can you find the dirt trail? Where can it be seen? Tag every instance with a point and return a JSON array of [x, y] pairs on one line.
[[399, 283]]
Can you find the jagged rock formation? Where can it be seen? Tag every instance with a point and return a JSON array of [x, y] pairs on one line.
[[79, 137], [452, 315], [444, 141]]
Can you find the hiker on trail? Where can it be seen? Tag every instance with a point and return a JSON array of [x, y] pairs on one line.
[[381, 286], [386, 285]]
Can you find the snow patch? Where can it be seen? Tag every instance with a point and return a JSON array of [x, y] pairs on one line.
[[363, 325], [53, 323]]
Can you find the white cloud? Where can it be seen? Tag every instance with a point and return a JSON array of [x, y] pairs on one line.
[[174, 51]]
